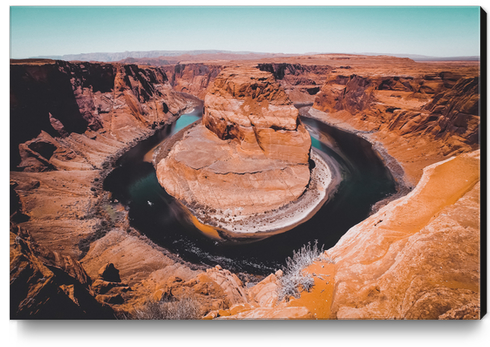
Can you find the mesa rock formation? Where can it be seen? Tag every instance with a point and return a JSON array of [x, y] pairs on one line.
[[250, 154]]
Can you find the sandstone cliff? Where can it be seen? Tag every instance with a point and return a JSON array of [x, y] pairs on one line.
[[193, 78], [83, 112], [69, 122], [300, 81], [249, 155], [48, 285], [418, 119]]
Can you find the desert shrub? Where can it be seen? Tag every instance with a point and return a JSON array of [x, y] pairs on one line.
[[294, 279], [186, 308]]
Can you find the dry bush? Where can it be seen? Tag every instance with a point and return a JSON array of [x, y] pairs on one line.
[[294, 279], [185, 309]]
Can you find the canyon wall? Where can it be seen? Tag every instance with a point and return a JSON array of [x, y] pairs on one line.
[[418, 116], [69, 123], [192, 78], [300, 81], [59, 107]]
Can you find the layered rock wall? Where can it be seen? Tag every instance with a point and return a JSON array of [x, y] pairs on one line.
[[192, 78], [300, 81], [249, 107], [69, 122], [70, 104], [419, 119]]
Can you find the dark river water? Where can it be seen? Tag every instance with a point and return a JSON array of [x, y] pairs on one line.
[[365, 181]]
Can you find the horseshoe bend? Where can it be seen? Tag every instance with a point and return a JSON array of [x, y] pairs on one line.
[[119, 203], [248, 158]]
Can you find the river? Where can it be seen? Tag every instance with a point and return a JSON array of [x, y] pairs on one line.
[[365, 181]]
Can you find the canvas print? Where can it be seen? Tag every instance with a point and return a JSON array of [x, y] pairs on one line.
[[267, 163]]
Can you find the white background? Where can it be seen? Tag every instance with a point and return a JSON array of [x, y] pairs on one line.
[[212, 333]]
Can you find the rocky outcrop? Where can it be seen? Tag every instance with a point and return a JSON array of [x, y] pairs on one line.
[[248, 106], [48, 285], [74, 103], [416, 124], [355, 95], [249, 155], [457, 112], [300, 81], [192, 78], [418, 257], [451, 117]]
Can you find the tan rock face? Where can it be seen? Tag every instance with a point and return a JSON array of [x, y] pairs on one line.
[[249, 154], [192, 78], [49, 285], [417, 128], [247, 105], [418, 257]]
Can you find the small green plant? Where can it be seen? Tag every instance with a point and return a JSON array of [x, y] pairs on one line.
[[294, 279], [186, 308]]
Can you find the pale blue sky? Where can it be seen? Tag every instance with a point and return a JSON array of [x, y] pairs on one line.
[[434, 31]]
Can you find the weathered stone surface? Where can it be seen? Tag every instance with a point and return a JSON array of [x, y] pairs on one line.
[[249, 155], [47, 285], [92, 110], [275, 313], [418, 257], [355, 95], [192, 78], [265, 293], [231, 284], [69, 121], [416, 124]]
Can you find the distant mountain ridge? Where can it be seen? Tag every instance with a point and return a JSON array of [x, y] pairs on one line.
[[420, 57], [118, 56]]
